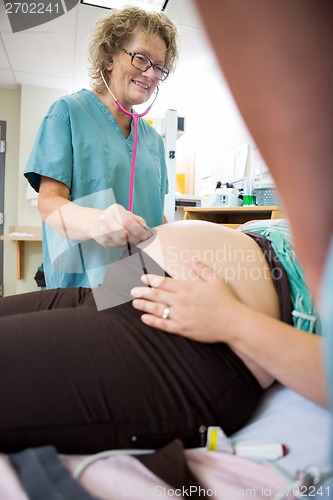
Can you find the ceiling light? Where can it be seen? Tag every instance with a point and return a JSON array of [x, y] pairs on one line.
[[155, 5]]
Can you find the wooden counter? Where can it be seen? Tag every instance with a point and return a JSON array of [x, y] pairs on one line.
[[233, 216], [21, 235]]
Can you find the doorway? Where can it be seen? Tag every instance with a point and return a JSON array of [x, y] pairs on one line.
[[2, 195]]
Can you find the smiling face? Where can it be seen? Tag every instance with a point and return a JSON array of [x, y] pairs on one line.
[[130, 85]]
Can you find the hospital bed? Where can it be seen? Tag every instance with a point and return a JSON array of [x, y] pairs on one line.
[[283, 416]]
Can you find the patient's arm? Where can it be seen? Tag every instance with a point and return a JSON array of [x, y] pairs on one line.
[[206, 309]]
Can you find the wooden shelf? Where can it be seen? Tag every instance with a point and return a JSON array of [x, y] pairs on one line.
[[233, 216], [21, 235]]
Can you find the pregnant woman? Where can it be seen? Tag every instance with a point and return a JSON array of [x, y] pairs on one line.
[[210, 327]]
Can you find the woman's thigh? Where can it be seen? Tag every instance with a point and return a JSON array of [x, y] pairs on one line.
[[42, 300], [86, 381]]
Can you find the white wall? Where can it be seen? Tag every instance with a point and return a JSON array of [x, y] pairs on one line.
[[23, 110], [35, 103], [214, 127], [10, 113]]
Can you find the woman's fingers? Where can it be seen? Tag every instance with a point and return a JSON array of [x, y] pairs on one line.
[[167, 325], [158, 291], [161, 289], [183, 307], [149, 307], [160, 302], [159, 315], [161, 282]]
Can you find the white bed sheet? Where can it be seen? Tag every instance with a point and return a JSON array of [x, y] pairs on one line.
[[283, 415], [304, 427]]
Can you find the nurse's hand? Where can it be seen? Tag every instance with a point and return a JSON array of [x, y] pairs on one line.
[[111, 227], [116, 226], [202, 310]]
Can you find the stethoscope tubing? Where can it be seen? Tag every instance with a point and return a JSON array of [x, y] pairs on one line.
[[135, 117]]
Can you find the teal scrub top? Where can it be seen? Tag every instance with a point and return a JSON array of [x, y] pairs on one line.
[[81, 145]]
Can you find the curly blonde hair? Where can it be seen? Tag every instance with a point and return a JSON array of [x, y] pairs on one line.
[[110, 34]]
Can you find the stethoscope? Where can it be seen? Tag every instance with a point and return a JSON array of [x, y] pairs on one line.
[[135, 117]]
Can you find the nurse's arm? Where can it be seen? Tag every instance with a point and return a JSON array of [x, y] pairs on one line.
[[108, 227]]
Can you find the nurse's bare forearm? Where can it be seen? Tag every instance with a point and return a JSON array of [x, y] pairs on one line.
[[112, 227], [68, 219]]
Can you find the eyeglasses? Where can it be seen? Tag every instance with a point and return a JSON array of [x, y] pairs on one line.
[[143, 63]]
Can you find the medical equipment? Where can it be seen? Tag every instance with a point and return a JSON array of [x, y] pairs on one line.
[[217, 440], [135, 117], [222, 197], [308, 482]]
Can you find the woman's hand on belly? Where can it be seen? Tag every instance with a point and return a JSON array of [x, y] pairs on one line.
[[195, 306], [203, 310]]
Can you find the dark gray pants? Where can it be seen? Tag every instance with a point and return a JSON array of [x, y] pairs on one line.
[[85, 380]]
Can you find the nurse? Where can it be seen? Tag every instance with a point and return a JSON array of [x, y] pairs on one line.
[[81, 162]]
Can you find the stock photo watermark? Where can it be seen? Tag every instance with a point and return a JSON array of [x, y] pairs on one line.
[[227, 261], [25, 15], [261, 491], [121, 256]]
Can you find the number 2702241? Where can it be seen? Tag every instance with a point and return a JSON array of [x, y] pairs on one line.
[[32, 8]]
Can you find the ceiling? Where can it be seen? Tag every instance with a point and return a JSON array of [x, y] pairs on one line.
[[54, 55]]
